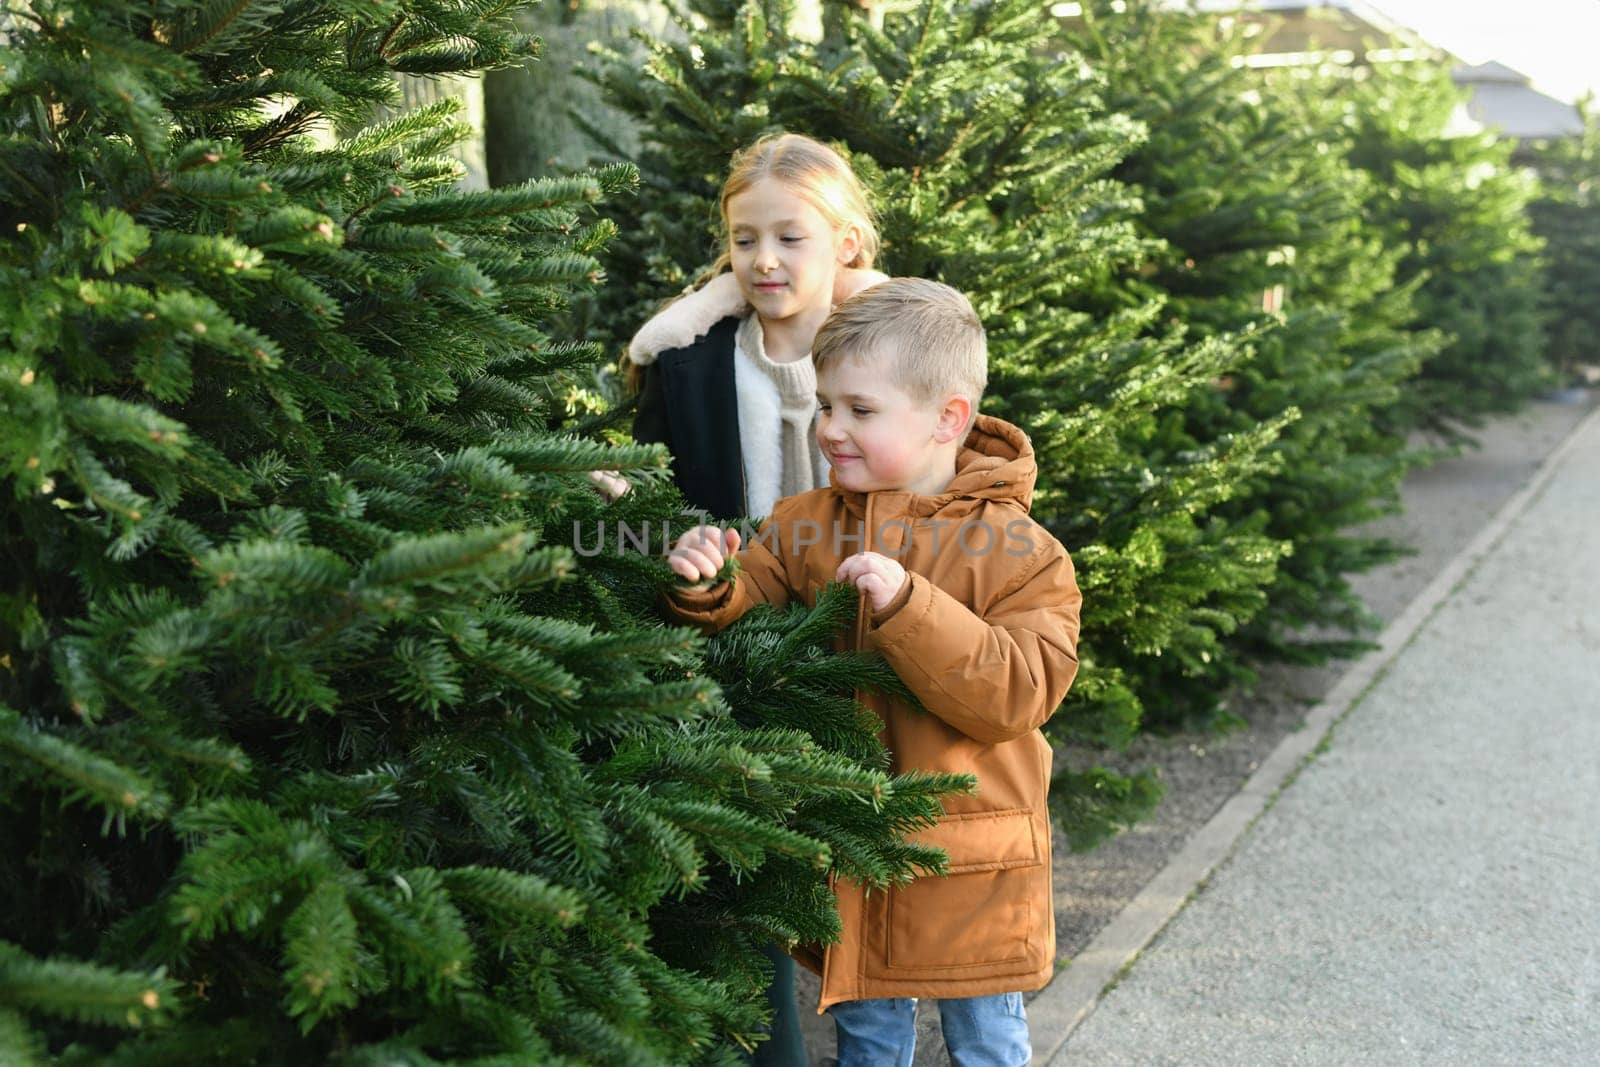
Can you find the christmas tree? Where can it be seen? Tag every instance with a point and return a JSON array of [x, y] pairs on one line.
[[1457, 207], [991, 153], [335, 723], [1261, 232], [1566, 215]]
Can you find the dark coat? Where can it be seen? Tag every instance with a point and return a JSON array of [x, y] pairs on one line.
[[688, 402]]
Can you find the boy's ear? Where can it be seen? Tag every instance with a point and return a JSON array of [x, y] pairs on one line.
[[955, 418]]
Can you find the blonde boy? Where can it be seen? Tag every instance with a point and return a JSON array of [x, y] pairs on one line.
[[976, 609]]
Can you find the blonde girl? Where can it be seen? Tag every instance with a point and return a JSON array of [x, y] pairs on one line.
[[724, 374]]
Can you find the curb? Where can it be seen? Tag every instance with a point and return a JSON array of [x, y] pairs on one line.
[[1074, 994]]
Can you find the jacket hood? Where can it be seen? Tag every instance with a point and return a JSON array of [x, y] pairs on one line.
[[995, 464]]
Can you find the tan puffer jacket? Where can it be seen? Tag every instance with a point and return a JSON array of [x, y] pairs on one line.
[[985, 633]]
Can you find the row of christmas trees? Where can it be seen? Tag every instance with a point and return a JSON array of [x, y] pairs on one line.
[[320, 740], [1221, 302]]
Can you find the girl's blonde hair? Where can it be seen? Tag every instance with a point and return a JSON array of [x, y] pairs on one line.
[[817, 174]]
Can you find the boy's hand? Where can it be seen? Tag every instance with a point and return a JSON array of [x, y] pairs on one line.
[[700, 553], [875, 575]]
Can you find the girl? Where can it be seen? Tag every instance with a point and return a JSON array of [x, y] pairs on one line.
[[725, 377], [724, 374]]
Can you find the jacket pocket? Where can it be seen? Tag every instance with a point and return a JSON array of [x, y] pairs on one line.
[[981, 913]]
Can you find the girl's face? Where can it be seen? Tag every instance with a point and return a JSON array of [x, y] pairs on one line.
[[783, 250]]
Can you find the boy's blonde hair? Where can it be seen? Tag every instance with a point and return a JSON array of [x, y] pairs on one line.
[[927, 330], [817, 174]]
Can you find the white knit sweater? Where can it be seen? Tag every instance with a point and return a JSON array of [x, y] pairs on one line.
[[777, 420]]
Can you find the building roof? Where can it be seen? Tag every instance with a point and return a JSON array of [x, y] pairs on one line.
[[1357, 9], [1506, 100], [1488, 73], [1316, 31]]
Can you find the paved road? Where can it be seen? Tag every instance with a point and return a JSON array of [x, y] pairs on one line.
[[1427, 891]]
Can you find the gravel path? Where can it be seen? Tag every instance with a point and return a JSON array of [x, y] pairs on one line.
[[1424, 892]]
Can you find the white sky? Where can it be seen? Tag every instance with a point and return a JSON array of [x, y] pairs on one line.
[[1554, 42]]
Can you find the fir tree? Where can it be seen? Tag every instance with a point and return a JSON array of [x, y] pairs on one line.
[[1566, 215], [1261, 233], [989, 151], [325, 738], [1457, 207]]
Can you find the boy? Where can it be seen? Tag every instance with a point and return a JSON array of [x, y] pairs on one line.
[[976, 609]]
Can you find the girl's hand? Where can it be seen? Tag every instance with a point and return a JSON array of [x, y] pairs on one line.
[[876, 575], [609, 484], [848, 281], [700, 554]]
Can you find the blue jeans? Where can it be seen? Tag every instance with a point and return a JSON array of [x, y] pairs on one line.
[[987, 1031]]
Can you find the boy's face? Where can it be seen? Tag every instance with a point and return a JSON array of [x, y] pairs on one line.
[[876, 436]]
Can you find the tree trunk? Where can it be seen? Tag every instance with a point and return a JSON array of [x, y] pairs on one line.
[[417, 92], [528, 124]]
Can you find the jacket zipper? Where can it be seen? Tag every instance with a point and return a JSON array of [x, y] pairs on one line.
[[862, 618], [827, 950], [863, 608]]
